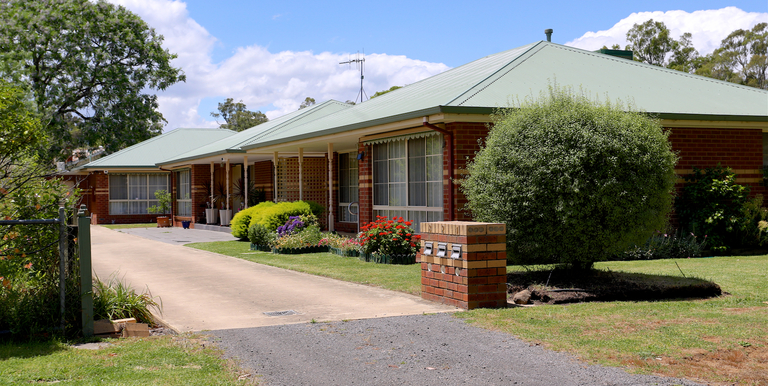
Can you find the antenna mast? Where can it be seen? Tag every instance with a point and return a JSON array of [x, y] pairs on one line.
[[360, 63]]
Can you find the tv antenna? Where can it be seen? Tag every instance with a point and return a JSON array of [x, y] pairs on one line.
[[359, 63]]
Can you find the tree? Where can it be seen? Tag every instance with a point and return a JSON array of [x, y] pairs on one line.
[[307, 102], [650, 42], [380, 93], [684, 55], [237, 116], [90, 66], [573, 180], [741, 58]]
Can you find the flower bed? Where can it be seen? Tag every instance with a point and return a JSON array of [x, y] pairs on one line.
[[389, 241], [298, 251]]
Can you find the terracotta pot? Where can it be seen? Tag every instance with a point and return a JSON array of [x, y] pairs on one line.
[[163, 222]]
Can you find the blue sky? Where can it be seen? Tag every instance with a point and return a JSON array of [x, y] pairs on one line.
[[274, 54]]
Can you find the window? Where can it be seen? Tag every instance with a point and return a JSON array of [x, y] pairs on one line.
[[183, 194], [408, 179], [134, 193], [348, 188]]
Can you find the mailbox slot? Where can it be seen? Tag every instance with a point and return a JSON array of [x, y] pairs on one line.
[[428, 248], [456, 251], [442, 249]]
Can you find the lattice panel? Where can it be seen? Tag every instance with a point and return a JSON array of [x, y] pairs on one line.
[[315, 178]]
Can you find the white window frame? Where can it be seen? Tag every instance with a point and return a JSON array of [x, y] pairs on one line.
[[352, 185], [130, 202], [184, 193], [409, 212]]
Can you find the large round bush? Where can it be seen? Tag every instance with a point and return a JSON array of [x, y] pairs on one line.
[[574, 180]]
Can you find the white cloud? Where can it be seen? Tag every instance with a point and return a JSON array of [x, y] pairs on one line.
[[708, 27], [255, 75]]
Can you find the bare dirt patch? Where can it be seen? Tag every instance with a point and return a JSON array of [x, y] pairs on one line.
[[561, 286]]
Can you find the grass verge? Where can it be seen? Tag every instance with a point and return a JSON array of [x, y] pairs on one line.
[[403, 278], [128, 226], [723, 339], [160, 360]]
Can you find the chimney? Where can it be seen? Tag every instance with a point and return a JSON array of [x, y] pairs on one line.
[[548, 32]]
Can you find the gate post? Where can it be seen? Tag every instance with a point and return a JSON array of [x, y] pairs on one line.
[[86, 283]]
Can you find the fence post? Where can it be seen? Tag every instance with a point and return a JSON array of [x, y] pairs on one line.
[[86, 283], [62, 263]]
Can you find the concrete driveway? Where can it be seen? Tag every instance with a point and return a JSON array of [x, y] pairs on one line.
[[207, 291]]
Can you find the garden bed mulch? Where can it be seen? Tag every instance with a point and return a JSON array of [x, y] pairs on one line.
[[563, 286]]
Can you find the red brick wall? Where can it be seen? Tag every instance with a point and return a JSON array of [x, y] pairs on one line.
[[465, 145], [365, 183], [263, 178]]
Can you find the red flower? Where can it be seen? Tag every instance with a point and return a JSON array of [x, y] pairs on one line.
[[408, 223], [382, 233]]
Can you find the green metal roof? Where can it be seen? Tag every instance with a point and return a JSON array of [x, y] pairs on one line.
[[148, 153], [234, 143], [502, 79]]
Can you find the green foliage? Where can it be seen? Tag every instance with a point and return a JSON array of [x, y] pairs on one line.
[[711, 204], [665, 246], [278, 214], [650, 42], [29, 258], [260, 235], [575, 181], [117, 300], [389, 237], [237, 116], [89, 65], [317, 209], [754, 223], [741, 58], [380, 93], [306, 237], [307, 102], [163, 202], [258, 214]]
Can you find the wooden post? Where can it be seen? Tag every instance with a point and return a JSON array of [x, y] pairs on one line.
[[245, 179], [274, 164], [301, 172], [331, 209], [211, 184], [227, 171]]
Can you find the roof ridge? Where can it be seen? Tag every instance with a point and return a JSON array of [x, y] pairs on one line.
[[657, 68], [495, 73], [315, 109]]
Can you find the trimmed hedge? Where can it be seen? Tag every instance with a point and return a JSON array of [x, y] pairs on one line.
[[242, 219], [277, 214]]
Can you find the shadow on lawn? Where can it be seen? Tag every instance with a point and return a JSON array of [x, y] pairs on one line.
[[561, 286], [22, 350]]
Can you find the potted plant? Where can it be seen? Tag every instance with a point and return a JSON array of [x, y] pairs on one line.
[[163, 207], [211, 213]]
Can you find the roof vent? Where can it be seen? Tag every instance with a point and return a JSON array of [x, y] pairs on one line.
[[548, 32]]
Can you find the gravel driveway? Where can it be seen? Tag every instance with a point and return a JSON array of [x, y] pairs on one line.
[[435, 349]]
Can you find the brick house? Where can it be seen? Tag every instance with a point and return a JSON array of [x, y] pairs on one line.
[[399, 154]]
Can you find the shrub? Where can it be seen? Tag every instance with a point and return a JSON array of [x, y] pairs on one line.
[[712, 203], [575, 181], [308, 237], [116, 300], [317, 209], [665, 246], [753, 223], [243, 219], [260, 235], [296, 224], [164, 202], [277, 215], [389, 237]]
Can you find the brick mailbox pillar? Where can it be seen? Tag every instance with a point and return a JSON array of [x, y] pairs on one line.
[[464, 264]]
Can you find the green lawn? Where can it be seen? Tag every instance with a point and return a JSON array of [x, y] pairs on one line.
[[723, 339], [127, 226], [166, 360], [404, 278]]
